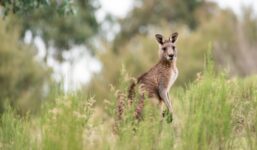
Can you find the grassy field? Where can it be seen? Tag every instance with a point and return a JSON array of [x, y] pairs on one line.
[[213, 112]]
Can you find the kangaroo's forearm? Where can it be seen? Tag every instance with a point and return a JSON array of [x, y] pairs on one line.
[[164, 96]]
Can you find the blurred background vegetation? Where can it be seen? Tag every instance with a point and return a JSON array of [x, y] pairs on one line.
[[63, 25], [200, 24], [63, 63]]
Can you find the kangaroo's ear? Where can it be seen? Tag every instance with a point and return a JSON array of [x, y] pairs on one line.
[[159, 38], [173, 37]]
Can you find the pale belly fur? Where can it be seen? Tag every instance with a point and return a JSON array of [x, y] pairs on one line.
[[173, 77]]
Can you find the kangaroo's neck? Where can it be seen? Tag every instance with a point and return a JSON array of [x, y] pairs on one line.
[[168, 64]]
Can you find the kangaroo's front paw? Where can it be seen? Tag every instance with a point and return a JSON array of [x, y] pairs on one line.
[[169, 118], [168, 115]]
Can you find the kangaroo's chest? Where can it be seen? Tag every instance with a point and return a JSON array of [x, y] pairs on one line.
[[173, 77]]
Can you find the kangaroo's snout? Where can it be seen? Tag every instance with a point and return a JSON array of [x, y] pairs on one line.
[[171, 56]]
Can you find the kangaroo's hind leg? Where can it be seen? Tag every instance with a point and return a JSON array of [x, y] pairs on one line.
[[139, 108], [161, 106]]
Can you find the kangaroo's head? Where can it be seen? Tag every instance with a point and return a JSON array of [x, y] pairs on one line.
[[167, 48]]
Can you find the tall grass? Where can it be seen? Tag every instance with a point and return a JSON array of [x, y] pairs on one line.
[[213, 112]]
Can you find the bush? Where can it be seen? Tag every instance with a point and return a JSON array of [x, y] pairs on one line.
[[22, 78]]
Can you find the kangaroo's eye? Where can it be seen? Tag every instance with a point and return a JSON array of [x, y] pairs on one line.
[[164, 48], [173, 47]]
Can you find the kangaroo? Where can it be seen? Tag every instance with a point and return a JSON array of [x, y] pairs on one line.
[[157, 82]]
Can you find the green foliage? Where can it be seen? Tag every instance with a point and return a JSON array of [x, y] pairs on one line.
[[61, 24], [213, 112], [172, 12], [26, 6], [63, 123], [249, 25], [14, 131], [231, 41], [21, 77], [62, 32]]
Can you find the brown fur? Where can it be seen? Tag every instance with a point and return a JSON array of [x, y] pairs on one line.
[[157, 81], [150, 80]]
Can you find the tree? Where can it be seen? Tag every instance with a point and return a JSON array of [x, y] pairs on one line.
[[59, 29], [153, 13], [26, 6], [22, 78]]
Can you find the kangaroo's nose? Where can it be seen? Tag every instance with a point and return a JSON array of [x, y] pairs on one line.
[[171, 55]]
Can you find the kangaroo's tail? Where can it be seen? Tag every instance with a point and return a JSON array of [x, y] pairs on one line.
[[121, 103], [131, 91]]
